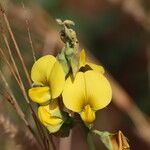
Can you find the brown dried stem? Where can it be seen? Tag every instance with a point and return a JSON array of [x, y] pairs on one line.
[[18, 79], [29, 35], [3, 56], [27, 141], [20, 84], [9, 96], [16, 45], [30, 40]]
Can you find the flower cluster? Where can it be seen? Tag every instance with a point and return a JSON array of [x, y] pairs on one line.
[[48, 82], [84, 93]]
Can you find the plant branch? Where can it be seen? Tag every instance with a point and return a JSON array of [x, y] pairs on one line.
[[16, 45], [11, 99], [12, 131]]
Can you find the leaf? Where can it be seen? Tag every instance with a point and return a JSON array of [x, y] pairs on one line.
[[115, 141], [63, 61]]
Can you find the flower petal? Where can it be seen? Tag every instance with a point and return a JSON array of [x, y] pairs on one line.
[[39, 94], [41, 69], [87, 88], [56, 80], [98, 90], [97, 68], [47, 117], [74, 93], [53, 129], [93, 66], [82, 61], [88, 115], [53, 109], [50, 117]]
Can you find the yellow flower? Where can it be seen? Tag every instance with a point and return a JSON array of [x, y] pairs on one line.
[[87, 93], [48, 77], [50, 116], [87, 65]]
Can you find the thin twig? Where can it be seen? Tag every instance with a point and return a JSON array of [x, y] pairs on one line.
[[24, 67], [12, 58], [19, 81], [23, 92], [22, 88], [16, 45], [30, 40], [41, 131], [3, 56], [29, 35], [11, 98], [50, 141], [12, 131]]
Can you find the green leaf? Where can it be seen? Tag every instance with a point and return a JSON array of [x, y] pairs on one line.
[[90, 141], [115, 141], [105, 138], [63, 61], [72, 58]]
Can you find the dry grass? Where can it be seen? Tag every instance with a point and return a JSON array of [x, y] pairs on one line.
[[44, 142], [22, 139]]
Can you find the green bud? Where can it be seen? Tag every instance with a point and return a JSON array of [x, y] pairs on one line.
[[68, 57]]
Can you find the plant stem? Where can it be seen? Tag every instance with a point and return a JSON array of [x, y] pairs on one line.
[[87, 133], [90, 142]]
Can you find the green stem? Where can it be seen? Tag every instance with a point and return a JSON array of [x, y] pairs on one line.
[[90, 142], [87, 133]]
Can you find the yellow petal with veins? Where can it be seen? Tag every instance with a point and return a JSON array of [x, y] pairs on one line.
[[74, 93], [98, 90], [87, 115], [41, 69], [88, 87], [39, 94], [56, 80]]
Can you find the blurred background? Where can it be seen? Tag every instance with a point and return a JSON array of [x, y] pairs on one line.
[[115, 33]]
